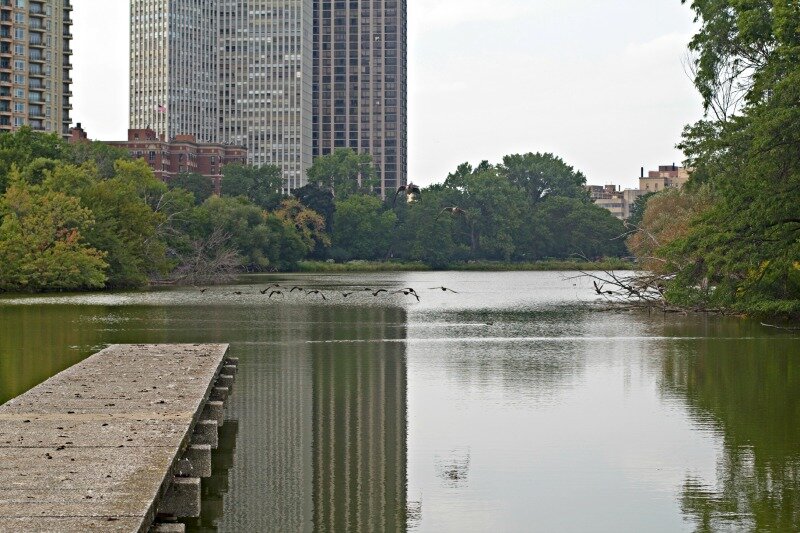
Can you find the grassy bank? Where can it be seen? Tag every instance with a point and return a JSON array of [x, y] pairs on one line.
[[477, 266]]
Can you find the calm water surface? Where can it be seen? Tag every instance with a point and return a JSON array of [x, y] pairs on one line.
[[514, 405]]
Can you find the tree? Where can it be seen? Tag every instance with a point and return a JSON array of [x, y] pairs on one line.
[[363, 227], [103, 155], [309, 224], [261, 185], [540, 175], [494, 210], [428, 233], [638, 209], [345, 173], [745, 245], [23, 146], [127, 224], [244, 222], [320, 200], [568, 227], [200, 186], [41, 241]]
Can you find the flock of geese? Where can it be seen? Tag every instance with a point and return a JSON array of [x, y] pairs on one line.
[[278, 290]]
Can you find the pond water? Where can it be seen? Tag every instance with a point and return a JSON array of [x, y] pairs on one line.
[[515, 404]]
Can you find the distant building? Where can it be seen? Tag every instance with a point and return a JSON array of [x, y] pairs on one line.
[[610, 198], [666, 177], [620, 202], [35, 80], [181, 155]]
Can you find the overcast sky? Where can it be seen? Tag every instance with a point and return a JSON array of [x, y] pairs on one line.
[[599, 82]]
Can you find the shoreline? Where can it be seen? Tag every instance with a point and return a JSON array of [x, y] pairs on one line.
[[311, 267]]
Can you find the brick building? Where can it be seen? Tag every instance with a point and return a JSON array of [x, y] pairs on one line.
[[181, 155]]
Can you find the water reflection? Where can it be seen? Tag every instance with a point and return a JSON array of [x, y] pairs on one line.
[[38, 342], [508, 406], [216, 487], [325, 423], [750, 394]]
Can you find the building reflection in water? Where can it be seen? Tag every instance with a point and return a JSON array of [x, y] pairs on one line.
[[322, 443]]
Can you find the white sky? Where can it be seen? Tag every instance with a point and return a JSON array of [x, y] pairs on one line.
[[598, 82]]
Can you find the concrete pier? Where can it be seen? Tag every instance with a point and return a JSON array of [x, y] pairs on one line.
[[116, 442]]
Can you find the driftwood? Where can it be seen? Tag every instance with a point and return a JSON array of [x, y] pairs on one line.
[[211, 260], [784, 328]]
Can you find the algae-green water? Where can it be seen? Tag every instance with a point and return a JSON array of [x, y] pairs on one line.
[[515, 404]]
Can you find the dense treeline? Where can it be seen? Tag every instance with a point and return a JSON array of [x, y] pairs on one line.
[[731, 240], [86, 216]]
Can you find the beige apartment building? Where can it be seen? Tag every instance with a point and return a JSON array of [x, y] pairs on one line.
[[666, 177], [35, 78], [620, 202]]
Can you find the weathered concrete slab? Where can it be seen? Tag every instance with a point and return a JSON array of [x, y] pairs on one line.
[[108, 524], [93, 448]]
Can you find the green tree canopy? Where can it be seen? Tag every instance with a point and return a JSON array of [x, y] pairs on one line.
[[103, 155], [746, 245], [320, 199], [41, 241], [261, 185], [23, 146], [540, 175], [344, 172], [200, 186], [363, 227]]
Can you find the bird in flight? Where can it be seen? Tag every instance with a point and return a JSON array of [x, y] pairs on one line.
[[379, 291], [315, 291], [264, 291], [455, 211], [413, 193], [407, 293], [202, 291], [301, 289], [274, 293], [599, 290], [443, 289], [346, 294], [237, 293]]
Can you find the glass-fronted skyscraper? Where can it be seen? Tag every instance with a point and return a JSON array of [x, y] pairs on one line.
[[174, 68], [265, 82], [360, 94], [268, 74]]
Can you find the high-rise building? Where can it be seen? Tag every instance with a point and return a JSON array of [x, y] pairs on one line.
[[288, 79], [360, 94], [35, 80], [265, 82], [173, 68]]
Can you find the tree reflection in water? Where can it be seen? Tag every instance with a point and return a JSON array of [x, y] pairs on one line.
[[750, 393]]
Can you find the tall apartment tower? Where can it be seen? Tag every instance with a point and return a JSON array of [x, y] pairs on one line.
[[265, 74], [173, 68], [288, 79], [35, 80], [360, 87]]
